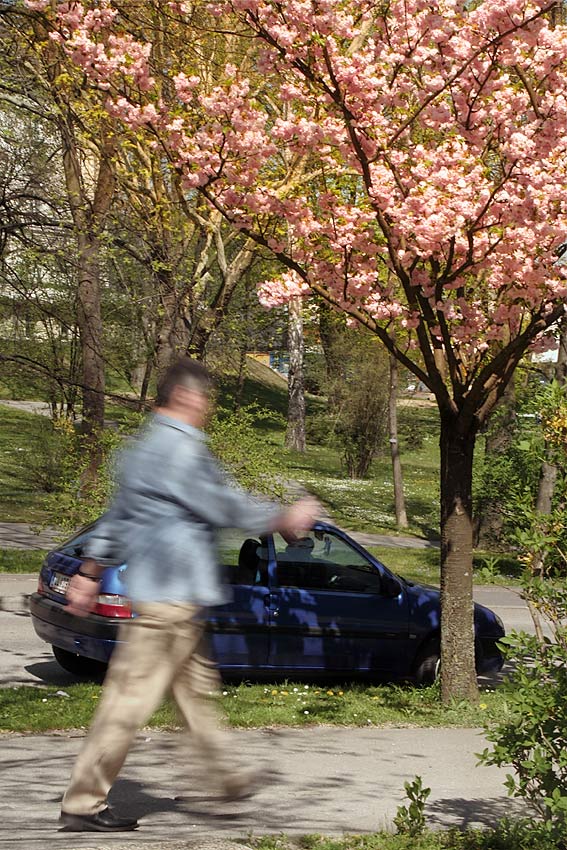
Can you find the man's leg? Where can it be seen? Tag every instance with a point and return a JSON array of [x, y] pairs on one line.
[[140, 673], [195, 680]]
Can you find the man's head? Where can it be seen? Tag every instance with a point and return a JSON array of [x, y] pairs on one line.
[[184, 391]]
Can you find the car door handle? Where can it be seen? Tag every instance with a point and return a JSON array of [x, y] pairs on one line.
[[268, 602]]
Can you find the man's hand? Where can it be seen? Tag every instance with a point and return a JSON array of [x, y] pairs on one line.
[[83, 591], [298, 519]]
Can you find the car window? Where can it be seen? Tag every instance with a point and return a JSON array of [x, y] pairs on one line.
[[323, 561], [75, 545], [244, 559]]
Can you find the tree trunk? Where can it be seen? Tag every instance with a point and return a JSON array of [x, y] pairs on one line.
[[458, 678], [561, 364], [295, 434], [331, 333], [89, 321], [241, 379], [89, 200], [399, 501], [171, 337], [498, 439], [548, 475], [145, 385]]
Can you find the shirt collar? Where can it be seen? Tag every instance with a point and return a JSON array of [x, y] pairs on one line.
[[196, 433]]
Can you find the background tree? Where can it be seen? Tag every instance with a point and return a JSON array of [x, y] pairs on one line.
[[437, 190], [43, 75], [397, 475], [40, 349], [550, 472]]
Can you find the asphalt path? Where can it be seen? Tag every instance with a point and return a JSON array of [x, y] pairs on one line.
[[318, 780]]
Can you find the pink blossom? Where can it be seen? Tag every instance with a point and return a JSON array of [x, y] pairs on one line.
[[396, 148]]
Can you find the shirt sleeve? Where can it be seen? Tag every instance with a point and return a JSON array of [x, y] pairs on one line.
[[209, 494]]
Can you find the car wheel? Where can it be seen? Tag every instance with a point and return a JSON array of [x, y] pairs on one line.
[[88, 668], [427, 664]]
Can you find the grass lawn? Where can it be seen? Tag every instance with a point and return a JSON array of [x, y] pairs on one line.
[[422, 565], [368, 505], [39, 709], [21, 560], [20, 443], [361, 505], [419, 565], [507, 836]]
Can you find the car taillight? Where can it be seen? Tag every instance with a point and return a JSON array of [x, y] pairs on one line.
[[113, 605], [40, 585]]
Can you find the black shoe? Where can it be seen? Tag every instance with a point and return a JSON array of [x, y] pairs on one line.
[[104, 821], [242, 786]]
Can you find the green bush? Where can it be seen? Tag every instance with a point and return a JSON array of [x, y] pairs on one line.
[[508, 480], [70, 505], [46, 454], [236, 441], [410, 819], [532, 738]]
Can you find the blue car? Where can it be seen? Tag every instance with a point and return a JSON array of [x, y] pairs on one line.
[[320, 607]]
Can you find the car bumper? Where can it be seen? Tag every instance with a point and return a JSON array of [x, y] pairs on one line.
[[92, 636]]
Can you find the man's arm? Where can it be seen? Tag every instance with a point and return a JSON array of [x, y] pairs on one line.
[[209, 494], [83, 589]]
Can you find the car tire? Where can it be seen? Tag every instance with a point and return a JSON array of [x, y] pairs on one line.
[[426, 669], [87, 668]]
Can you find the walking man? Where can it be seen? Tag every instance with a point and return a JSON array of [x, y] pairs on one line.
[[171, 498]]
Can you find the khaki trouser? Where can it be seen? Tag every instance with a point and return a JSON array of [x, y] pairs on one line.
[[161, 650]]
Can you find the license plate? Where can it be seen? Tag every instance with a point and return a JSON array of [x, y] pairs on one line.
[[59, 583]]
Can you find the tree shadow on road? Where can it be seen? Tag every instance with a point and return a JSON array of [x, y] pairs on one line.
[[464, 813]]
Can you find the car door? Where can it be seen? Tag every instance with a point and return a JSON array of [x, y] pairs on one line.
[[332, 610], [239, 629]]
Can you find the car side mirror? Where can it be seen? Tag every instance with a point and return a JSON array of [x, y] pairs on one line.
[[391, 587]]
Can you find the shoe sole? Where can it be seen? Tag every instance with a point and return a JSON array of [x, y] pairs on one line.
[[245, 792], [70, 823]]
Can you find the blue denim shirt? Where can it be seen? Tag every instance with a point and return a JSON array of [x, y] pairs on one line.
[[171, 498]]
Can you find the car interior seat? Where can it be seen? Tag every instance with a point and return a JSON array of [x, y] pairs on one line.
[[248, 562]]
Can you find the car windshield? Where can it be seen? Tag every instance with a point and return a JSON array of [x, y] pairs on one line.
[[324, 561]]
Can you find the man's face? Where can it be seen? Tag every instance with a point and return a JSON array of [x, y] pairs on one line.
[[192, 404], [202, 407], [198, 405]]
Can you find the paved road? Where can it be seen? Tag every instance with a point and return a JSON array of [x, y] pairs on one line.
[[20, 535], [324, 779]]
